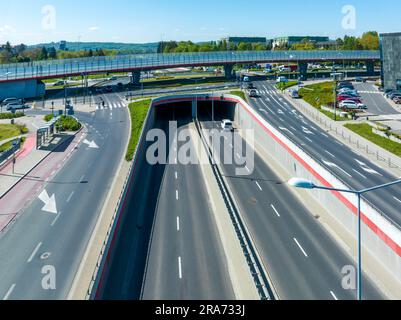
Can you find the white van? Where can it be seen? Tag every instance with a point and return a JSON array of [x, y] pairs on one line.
[[227, 125], [281, 79]]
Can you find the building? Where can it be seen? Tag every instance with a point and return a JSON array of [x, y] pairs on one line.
[[390, 49], [63, 45], [291, 40]]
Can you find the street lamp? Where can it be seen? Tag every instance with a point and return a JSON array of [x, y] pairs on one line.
[[335, 76], [306, 184]]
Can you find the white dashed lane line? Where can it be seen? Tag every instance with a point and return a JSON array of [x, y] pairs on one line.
[[300, 247], [9, 292], [34, 252]]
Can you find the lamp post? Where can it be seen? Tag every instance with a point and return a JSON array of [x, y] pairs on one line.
[[306, 184], [335, 76]]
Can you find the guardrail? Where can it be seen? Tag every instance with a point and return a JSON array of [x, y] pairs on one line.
[[55, 68], [4, 156], [261, 278]]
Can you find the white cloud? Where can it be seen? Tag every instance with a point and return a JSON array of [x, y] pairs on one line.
[[94, 28], [6, 30]]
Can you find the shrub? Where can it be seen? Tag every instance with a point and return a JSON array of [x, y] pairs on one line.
[[49, 117], [68, 123]]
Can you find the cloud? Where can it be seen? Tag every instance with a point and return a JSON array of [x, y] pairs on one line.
[[6, 30], [94, 28]]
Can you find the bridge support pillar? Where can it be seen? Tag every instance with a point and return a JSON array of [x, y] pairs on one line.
[[303, 70], [228, 70], [194, 109], [136, 78], [370, 68]]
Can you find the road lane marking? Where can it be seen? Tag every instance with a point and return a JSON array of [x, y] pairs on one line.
[[310, 140], [300, 247], [178, 223], [395, 198], [275, 210], [330, 153], [176, 175], [55, 219], [333, 295], [70, 196], [179, 268], [359, 174], [8, 294], [176, 194], [257, 183], [247, 169], [35, 251]]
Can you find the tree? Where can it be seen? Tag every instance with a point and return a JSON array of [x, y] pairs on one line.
[[44, 54], [52, 53], [370, 40]]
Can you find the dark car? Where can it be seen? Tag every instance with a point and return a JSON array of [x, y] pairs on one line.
[[360, 79], [109, 89], [394, 94], [250, 85]]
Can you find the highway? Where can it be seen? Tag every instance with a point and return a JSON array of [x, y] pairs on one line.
[[354, 170], [168, 234], [304, 262], [39, 239]]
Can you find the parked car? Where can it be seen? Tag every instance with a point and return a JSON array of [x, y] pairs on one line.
[[349, 92], [360, 79], [227, 125], [11, 100], [294, 94], [348, 104], [346, 97], [16, 106], [362, 106], [251, 85], [394, 94], [397, 100]]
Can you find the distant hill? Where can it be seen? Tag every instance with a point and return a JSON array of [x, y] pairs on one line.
[[123, 47]]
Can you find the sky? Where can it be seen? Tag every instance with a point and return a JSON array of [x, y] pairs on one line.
[[134, 21]]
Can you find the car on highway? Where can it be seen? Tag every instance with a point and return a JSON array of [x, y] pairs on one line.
[[246, 79], [60, 83], [113, 78], [251, 85], [253, 93], [120, 86], [227, 125], [109, 89]]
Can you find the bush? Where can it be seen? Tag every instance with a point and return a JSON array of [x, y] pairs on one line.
[[49, 117], [68, 123], [11, 115]]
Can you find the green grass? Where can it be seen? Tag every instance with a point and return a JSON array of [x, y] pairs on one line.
[[239, 94], [365, 130], [11, 115], [8, 131], [331, 115], [319, 94], [283, 85], [138, 111], [48, 117], [6, 146]]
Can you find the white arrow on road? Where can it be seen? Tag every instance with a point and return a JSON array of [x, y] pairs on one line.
[[91, 144], [50, 202], [285, 129], [306, 130], [365, 168], [333, 165]]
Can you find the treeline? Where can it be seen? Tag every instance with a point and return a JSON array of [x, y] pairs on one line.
[[189, 46], [21, 53]]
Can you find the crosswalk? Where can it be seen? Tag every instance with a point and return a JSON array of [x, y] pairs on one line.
[[266, 91], [370, 92], [111, 105]]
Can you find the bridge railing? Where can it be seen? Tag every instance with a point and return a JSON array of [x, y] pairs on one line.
[[39, 69]]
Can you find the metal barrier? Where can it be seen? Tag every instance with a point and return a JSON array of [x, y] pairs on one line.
[[66, 67]]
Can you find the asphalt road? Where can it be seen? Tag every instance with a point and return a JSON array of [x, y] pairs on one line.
[[304, 262], [168, 234], [354, 170], [39, 239], [374, 99]]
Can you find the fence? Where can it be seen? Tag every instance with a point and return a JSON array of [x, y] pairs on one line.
[[8, 153]]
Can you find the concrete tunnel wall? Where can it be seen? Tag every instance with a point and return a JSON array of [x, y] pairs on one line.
[[379, 237]]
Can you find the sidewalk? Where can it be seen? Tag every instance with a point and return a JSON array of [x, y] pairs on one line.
[[30, 172], [379, 156]]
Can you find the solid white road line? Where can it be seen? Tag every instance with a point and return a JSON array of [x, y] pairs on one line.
[[359, 174], [9, 292], [247, 169], [275, 210], [179, 268], [333, 295], [178, 223], [35, 251], [176, 175], [70, 196], [257, 183], [176, 194], [310, 140], [300, 247]]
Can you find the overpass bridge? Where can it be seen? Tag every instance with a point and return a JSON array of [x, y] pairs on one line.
[[39, 70]]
